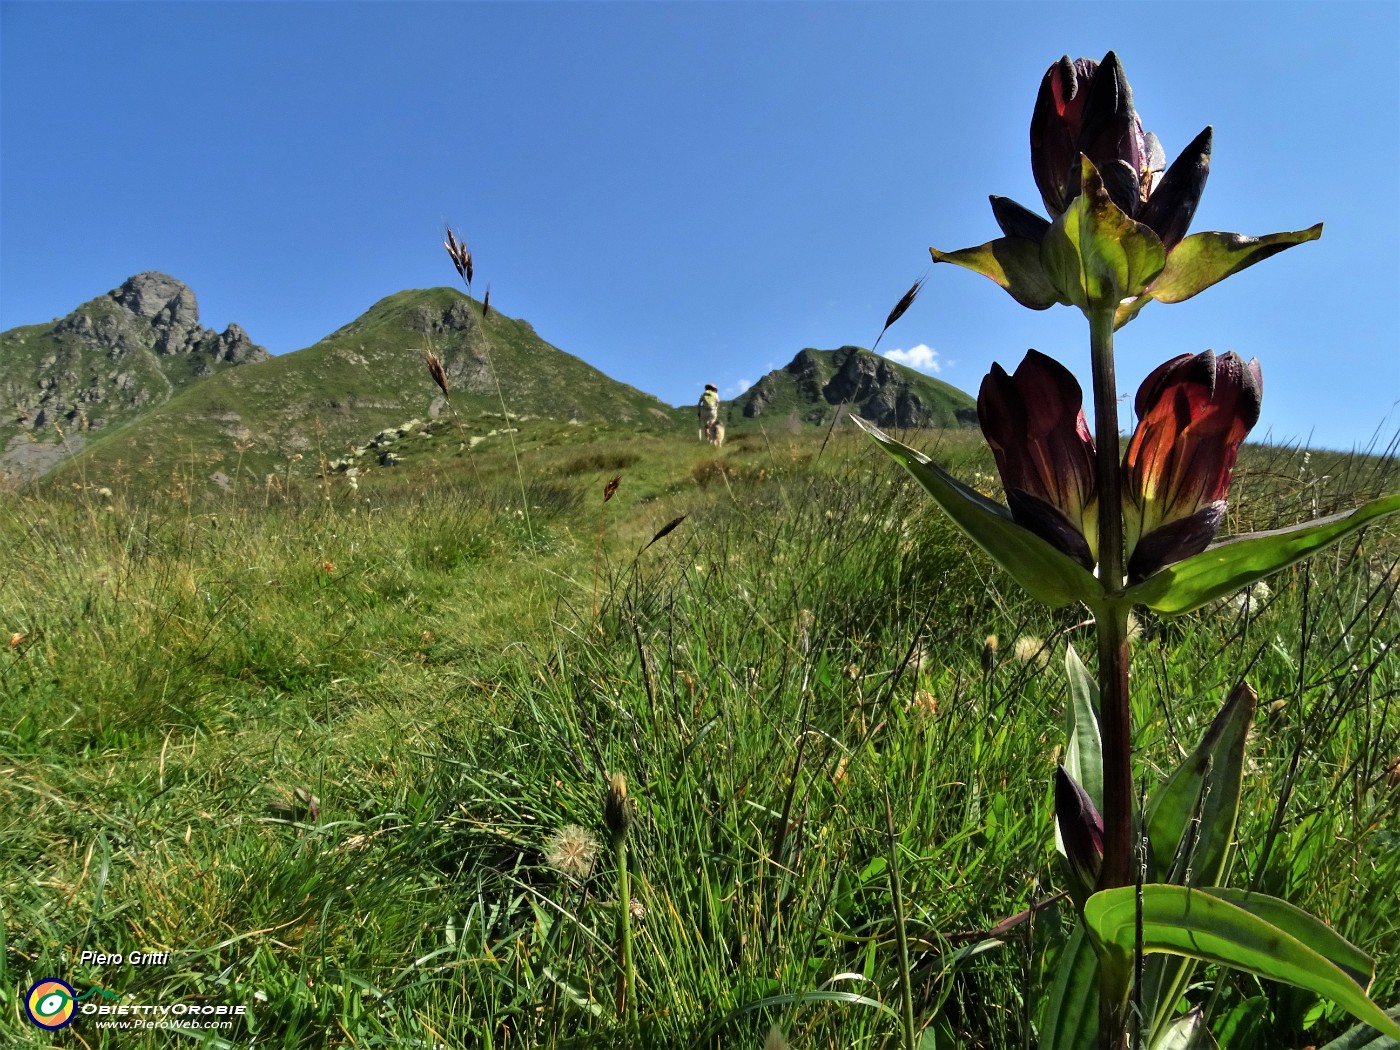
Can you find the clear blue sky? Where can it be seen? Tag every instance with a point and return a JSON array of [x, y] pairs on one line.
[[691, 193]]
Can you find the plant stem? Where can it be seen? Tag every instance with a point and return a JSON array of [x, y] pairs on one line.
[[626, 979], [1112, 635], [906, 991]]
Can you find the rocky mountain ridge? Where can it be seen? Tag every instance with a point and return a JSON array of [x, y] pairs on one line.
[[817, 383], [132, 381], [110, 360]]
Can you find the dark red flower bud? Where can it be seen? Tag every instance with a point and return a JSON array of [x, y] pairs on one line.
[[1193, 414], [1034, 422], [1081, 833], [1086, 107]]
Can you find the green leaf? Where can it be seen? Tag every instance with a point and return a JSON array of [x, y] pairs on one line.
[[1239, 561], [1014, 263], [1204, 259], [1070, 1020], [1251, 932], [1050, 575], [1186, 1033], [1084, 752], [1191, 816], [1364, 1037], [1190, 827], [1095, 254]]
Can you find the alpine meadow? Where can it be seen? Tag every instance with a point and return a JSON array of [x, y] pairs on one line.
[[427, 687]]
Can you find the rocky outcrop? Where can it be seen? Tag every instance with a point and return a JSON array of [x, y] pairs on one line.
[[156, 312], [873, 387], [106, 362]]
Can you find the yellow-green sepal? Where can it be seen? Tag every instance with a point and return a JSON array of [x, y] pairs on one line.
[[1094, 254], [1204, 259]]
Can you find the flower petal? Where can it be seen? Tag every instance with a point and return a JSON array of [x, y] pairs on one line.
[[1016, 220], [1175, 541], [1034, 422]]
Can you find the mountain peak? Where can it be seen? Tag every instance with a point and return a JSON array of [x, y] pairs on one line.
[[153, 294], [104, 364], [816, 383]]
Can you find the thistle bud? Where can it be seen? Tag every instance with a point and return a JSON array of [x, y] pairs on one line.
[[989, 654], [617, 808]]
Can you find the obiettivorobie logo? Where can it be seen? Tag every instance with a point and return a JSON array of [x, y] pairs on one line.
[[52, 1004]]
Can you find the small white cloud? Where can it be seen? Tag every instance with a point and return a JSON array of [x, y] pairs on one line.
[[738, 388], [922, 357]]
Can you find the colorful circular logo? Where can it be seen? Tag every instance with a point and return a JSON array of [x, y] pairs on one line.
[[50, 1003]]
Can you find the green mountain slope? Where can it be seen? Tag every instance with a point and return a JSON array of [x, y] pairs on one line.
[[365, 377]]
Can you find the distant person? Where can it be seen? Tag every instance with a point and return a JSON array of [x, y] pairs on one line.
[[711, 429]]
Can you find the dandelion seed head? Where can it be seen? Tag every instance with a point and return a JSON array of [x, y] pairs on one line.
[[571, 850], [1030, 651]]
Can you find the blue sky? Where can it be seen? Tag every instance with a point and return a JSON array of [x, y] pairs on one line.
[[691, 193]]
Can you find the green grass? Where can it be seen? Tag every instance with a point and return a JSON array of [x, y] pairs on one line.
[[806, 643]]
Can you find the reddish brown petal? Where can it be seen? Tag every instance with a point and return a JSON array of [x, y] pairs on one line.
[[1175, 541], [1193, 413], [1055, 124], [1016, 220]]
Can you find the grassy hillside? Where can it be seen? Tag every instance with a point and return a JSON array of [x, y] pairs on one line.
[[288, 413], [342, 749]]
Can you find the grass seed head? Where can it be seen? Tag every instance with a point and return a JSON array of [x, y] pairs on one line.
[[438, 373], [905, 301], [989, 653], [461, 257], [610, 489]]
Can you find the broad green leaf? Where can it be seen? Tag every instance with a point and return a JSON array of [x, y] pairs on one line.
[[1070, 1019], [1307, 928], [1186, 1033], [1190, 826], [1191, 816], [1364, 1037], [1047, 573], [1014, 263], [1239, 561], [1251, 932], [1094, 253], [1084, 751], [1204, 259]]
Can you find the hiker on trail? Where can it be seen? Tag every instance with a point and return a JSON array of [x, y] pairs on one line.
[[708, 413]]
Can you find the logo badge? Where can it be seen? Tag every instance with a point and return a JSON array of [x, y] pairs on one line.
[[49, 1004]]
